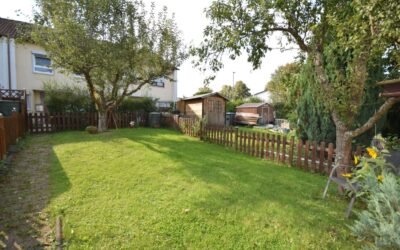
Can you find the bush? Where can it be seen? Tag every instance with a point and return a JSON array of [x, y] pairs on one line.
[[379, 225], [146, 104], [67, 98]]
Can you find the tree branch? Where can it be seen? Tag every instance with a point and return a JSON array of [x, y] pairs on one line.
[[299, 40], [382, 110]]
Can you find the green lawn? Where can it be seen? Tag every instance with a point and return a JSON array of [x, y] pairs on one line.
[[157, 189]]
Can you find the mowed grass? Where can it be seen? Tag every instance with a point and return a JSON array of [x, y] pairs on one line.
[[157, 189]]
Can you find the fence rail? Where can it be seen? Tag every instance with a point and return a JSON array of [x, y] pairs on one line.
[[53, 122]]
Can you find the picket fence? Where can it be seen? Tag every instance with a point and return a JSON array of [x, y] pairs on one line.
[[53, 122], [307, 155]]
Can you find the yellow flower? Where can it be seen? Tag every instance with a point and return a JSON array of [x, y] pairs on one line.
[[372, 153], [349, 176], [380, 178], [356, 159]]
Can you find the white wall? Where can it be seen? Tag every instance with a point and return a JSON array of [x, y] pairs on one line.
[[6, 46]]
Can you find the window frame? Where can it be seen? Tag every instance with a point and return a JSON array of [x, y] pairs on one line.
[[34, 66], [155, 82]]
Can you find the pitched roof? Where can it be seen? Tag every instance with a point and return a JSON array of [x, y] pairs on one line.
[[204, 96], [252, 105], [260, 92], [8, 27]]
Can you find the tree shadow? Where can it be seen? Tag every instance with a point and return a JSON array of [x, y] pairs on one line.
[[25, 195], [246, 180]]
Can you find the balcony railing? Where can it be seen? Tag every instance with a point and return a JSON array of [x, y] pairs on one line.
[[11, 94]]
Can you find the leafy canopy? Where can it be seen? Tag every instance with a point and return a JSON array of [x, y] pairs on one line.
[[116, 45]]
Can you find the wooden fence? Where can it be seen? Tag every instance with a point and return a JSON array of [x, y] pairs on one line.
[[11, 128], [307, 155], [45, 123]]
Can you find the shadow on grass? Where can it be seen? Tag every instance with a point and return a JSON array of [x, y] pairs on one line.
[[25, 194], [244, 179]]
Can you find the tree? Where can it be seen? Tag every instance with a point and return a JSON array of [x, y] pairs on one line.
[[283, 82], [226, 91], [114, 44], [203, 90], [340, 38], [241, 90]]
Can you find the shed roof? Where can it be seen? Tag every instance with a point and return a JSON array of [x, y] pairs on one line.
[[204, 96], [8, 27], [252, 105]]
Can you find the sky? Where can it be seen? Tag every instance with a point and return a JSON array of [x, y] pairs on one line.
[[191, 20]]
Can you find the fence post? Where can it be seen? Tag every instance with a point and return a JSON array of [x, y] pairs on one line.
[[321, 157], [236, 138], [2, 138], [299, 153], [14, 121], [291, 149]]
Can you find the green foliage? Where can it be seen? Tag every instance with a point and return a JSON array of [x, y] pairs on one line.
[[253, 99], [240, 90], [203, 90], [232, 104], [116, 45], [227, 91], [392, 142], [282, 85], [342, 40], [67, 98], [130, 104], [379, 225], [314, 120]]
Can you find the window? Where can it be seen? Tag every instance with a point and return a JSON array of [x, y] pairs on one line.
[[159, 82], [41, 63]]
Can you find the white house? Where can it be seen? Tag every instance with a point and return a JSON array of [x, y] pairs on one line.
[[26, 67], [265, 96]]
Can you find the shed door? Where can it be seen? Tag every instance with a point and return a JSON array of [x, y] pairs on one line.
[[215, 112]]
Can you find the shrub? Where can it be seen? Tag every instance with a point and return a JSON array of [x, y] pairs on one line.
[[67, 98], [146, 104], [379, 225]]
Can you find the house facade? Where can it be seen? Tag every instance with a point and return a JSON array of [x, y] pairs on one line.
[[27, 67]]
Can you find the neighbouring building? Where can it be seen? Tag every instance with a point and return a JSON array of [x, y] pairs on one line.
[[212, 106], [265, 96], [27, 67], [254, 114]]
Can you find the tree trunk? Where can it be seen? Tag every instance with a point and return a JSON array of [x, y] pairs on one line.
[[102, 122], [343, 147]]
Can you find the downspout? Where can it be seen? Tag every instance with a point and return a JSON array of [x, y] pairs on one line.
[[9, 62]]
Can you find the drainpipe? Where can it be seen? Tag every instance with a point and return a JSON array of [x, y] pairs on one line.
[[9, 62]]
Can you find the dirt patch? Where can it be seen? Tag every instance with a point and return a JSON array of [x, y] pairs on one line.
[[24, 195]]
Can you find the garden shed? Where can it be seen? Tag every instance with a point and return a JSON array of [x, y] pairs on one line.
[[212, 105], [254, 113]]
